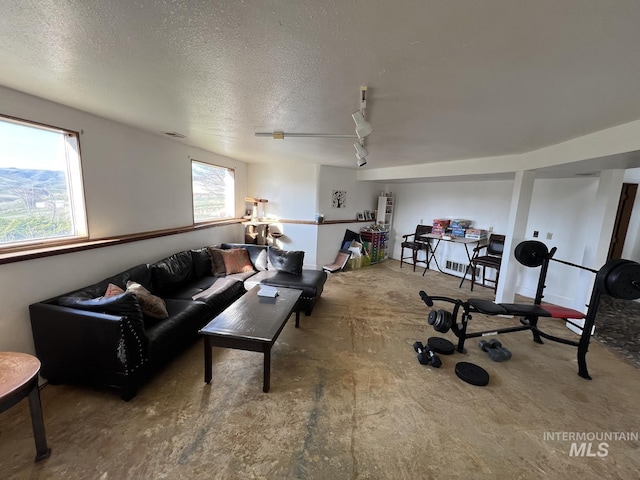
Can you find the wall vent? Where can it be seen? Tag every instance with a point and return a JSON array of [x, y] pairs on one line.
[[460, 267], [175, 134]]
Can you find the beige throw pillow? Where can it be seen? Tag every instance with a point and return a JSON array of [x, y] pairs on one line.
[[236, 260], [151, 305]]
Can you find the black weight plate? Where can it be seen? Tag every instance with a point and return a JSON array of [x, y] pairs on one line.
[[472, 373], [432, 317], [601, 277], [441, 345], [531, 253], [623, 281]]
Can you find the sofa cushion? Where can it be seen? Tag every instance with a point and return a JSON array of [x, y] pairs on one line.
[[217, 263], [258, 278], [311, 282], [139, 273], [201, 262], [286, 261], [166, 336], [207, 289], [236, 260], [151, 305], [257, 253], [171, 272]]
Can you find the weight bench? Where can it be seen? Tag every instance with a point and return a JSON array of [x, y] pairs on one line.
[[617, 278]]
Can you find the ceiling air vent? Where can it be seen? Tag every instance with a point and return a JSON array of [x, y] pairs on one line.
[[175, 134]]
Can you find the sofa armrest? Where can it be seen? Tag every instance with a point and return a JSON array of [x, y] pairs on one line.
[[93, 347]]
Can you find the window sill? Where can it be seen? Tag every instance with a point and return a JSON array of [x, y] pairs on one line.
[[40, 251]]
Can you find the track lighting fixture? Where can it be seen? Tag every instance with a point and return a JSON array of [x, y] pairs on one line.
[[361, 153], [363, 130]]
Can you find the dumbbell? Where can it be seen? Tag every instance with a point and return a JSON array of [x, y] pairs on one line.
[[426, 356], [485, 346]]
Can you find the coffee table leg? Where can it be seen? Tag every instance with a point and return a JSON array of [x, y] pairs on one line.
[[267, 370], [297, 318], [208, 370], [35, 407]]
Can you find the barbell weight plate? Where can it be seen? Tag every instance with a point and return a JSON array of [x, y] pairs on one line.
[[441, 345], [624, 281], [433, 315], [442, 322], [531, 253], [472, 373], [601, 277]]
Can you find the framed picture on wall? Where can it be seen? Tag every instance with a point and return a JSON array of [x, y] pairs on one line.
[[338, 199], [367, 215], [360, 216]]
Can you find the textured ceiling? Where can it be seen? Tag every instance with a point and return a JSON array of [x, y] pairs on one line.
[[448, 79]]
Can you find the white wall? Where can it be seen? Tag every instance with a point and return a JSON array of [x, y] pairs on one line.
[[134, 182], [360, 195], [485, 203], [558, 206], [298, 192]]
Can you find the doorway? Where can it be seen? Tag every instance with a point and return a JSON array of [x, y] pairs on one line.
[[625, 207]]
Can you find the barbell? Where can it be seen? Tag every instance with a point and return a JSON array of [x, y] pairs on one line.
[[619, 278], [532, 253]]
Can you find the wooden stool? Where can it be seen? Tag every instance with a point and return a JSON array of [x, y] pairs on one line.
[[19, 379]]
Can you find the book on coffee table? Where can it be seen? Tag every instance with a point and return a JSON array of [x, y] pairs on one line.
[[267, 291]]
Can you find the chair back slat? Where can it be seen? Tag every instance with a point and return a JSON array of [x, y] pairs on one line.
[[496, 245], [422, 230]]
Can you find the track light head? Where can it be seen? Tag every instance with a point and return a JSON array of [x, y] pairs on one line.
[[361, 152], [363, 128]]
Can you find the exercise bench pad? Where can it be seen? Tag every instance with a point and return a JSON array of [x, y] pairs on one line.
[[562, 312], [491, 308]]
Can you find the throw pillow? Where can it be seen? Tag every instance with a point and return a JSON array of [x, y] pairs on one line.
[[284, 261], [112, 291], [217, 263], [261, 263], [236, 260], [151, 305]]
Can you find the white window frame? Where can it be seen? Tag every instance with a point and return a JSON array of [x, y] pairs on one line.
[[75, 190], [229, 200]]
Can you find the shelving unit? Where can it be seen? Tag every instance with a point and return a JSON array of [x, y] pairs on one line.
[[385, 212], [376, 243]]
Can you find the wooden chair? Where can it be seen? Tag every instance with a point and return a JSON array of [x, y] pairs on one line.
[[492, 259], [413, 242]]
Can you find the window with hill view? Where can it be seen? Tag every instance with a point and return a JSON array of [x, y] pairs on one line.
[[41, 195], [213, 192]]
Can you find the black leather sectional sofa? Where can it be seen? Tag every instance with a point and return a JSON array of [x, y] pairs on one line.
[[85, 337]]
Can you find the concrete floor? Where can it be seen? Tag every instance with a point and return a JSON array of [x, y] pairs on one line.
[[348, 400]]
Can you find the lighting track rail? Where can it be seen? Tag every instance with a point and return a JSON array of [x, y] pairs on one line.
[[363, 130]]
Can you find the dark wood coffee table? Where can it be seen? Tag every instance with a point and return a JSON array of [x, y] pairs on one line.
[[251, 323]]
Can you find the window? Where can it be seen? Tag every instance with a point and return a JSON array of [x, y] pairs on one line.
[[41, 195], [213, 192]]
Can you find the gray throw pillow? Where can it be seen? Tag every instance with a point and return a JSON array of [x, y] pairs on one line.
[[218, 269]]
